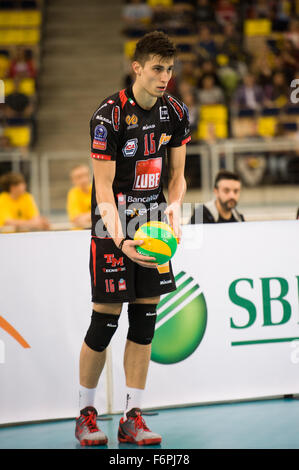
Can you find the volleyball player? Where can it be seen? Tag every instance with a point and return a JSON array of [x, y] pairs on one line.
[[133, 133]]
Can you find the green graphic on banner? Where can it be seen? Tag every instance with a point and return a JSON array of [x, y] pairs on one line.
[[181, 322]]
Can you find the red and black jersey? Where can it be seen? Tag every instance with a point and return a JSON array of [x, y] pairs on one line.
[[136, 139]]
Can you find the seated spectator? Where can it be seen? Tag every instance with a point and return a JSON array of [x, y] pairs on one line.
[[188, 96], [17, 207], [204, 11], [206, 46], [225, 12], [22, 65], [79, 197], [137, 15], [17, 104], [209, 93], [293, 33], [249, 95], [222, 208], [277, 93]]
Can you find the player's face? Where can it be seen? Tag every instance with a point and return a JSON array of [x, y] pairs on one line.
[[155, 74], [228, 193]]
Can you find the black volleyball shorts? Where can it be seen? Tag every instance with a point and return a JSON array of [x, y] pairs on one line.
[[116, 278]]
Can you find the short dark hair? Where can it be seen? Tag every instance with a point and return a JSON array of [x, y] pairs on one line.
[[156, 43], [11, 179], [225, 175]]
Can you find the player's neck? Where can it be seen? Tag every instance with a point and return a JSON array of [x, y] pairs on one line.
[[142, 97]]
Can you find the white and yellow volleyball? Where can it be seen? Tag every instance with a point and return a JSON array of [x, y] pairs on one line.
[[159, 241]]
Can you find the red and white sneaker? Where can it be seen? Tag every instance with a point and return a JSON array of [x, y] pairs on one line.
[[135, 431], [87, 431]]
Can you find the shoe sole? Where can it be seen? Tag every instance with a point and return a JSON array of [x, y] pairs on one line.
[[130, 440], [90, 442]]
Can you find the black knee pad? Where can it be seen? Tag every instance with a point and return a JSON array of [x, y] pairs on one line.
[[142, 320], [101, 329]]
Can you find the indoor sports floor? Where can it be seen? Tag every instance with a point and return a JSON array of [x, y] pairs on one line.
[[261, 424]]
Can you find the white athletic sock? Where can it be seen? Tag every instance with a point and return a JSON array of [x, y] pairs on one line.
[[133, 399], [86, 397]]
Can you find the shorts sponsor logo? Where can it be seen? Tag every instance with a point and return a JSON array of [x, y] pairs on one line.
[[164, 116], [130, 148], [115, 270], [165, 282], [164, 139], [122, 284], [147, 174], [148, 126], [116, 118], [110, 259]]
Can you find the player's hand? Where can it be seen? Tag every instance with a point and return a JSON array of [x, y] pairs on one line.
[[129, 249], [173, 213]]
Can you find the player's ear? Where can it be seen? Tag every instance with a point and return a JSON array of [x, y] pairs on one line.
[[137, 67]]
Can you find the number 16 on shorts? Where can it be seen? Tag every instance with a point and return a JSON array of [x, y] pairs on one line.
[[110, 287]]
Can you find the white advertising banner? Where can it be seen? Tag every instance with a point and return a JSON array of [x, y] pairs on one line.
[[45, 311], [230, 331]]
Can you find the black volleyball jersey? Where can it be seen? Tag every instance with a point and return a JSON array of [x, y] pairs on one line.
[[136, 139]]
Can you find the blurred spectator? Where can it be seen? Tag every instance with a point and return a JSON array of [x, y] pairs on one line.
[[227, 75], [259, 9], [137, 15], [222, 208], [249, 95], [204, 11], [293, 33], [206, 46], [22, 65], [79, 197], [225, 12], [188, 95], [17, 207], [277, 93], [209, 93], [17, 104]]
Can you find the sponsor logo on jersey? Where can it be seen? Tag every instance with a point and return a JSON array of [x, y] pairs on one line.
[[164, 116], [121, 199], [97, 144], [145, 199], [177, 107], [100, 133], [164, 139], [102, 118], [148, 126], [130, 148], [116, 118], [147, 174], [131, 121]]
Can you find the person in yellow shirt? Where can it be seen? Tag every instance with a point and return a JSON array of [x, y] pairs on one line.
[[18, 208], [79, 197]]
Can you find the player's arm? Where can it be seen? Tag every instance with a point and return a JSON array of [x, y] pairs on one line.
[[104, 173], [176, 186]]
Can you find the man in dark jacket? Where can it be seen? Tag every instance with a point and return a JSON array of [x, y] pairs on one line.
[[227, 190]]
